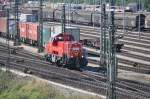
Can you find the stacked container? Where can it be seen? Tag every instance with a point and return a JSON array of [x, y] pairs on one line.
[[3, 27], [46, 34], [33, 31], [23, 31], [28, 18], [74, 31], [30, 31], [3, 24]]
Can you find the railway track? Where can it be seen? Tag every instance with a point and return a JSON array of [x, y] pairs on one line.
[[87, 81], [134, 48], [129, 39]]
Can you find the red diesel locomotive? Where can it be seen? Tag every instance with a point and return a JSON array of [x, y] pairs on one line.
[[65, 51]]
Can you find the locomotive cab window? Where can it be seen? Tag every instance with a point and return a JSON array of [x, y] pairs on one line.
[[55, 41], [64, 37]]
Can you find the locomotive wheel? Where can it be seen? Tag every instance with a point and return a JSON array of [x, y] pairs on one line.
[[58, 63], [83, 62]]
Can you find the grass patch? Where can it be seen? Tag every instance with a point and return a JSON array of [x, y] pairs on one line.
[[30, 89]]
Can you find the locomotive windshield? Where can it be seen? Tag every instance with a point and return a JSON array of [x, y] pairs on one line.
[[64, 37]]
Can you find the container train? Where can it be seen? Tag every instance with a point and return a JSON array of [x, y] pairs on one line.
[[62, 49]]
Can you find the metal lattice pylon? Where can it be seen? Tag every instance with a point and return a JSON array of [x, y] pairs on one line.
[[40, 34], [112, 63], [108, 50], [17, 34]]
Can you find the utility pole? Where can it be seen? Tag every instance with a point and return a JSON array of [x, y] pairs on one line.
[[64, 29], [7, 40], [123, 5], [103, 36], [112, 64], [40, 34], [63, 19], [17, 34]]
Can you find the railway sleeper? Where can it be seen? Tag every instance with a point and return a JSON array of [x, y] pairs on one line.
[[20, 61]]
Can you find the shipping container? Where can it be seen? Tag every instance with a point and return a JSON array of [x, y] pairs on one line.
[[23, 30], [3, 27], [46, 34], [74, 31], [32, 18], [3, 24], [33, 31], [28, 18], [55, 30]]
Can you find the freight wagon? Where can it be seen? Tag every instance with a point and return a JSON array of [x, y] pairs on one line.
[[29, 33], [130, 21], [93, 18], [3, 27]]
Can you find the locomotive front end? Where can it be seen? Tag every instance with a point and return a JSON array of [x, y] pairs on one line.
[[77, 59]]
